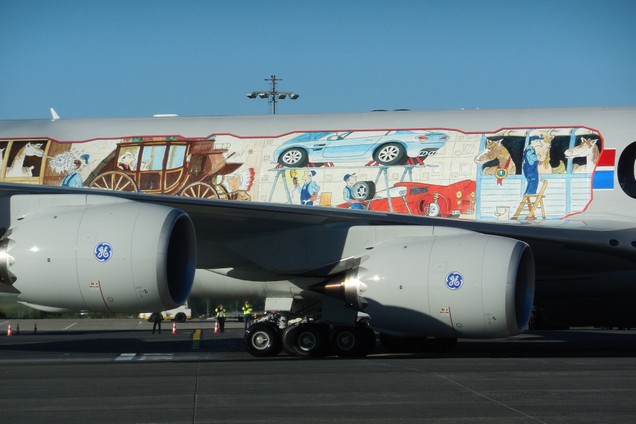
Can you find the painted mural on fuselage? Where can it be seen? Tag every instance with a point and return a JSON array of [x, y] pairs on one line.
[[510, 174]]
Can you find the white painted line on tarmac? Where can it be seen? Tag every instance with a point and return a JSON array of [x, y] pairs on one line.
[[69, 326], [125, 357], [157, 357]]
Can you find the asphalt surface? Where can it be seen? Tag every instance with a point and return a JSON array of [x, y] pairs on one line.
[[116, 371]]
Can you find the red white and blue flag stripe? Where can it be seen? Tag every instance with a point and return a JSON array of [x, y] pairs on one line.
[[604, 173]]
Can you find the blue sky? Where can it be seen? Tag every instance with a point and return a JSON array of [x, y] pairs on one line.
[[123, 58]]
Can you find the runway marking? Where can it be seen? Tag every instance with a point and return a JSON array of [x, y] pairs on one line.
[[69, 326], [488, 398], [196, 339], [156, 357], [145, 357], [472, 391], [125, 357]]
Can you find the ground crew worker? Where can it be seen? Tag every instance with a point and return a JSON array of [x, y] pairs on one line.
[[156, 319], [247, 313], [220, 317]]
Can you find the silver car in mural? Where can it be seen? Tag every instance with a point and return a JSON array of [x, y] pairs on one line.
[[384, 147]]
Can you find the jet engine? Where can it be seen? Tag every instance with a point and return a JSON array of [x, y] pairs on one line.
[[461, 284], [97, 253]]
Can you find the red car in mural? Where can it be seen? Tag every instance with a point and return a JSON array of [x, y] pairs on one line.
[[425, 199]]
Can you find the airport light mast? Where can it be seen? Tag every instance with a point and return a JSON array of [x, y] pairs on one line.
[[272, 95]]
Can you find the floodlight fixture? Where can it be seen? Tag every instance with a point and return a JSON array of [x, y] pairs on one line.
[[272, 94]]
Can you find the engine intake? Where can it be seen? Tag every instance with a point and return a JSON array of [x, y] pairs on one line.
[[98, 253]]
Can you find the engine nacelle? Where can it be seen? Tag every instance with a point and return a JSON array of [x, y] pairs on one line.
[[462, 284], [98, 253]]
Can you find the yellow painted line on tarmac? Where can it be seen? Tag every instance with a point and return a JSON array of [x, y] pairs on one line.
[[196, 339]]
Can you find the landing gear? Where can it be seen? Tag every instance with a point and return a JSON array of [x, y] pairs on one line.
[[263, 339], [306, 340], [349, 342]]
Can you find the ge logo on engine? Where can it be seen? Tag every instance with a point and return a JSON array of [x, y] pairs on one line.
[[103, 252], [454, 280]]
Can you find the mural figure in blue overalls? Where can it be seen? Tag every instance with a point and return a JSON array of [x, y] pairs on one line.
[[309, 190]]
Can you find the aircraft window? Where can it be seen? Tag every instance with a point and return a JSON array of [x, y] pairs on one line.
[[152, 158], [627, 170], [176, 156]]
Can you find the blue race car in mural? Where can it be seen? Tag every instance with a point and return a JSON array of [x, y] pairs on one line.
[[384, 147]]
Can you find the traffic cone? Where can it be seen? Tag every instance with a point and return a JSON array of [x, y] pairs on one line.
[[216, 327], [9, 333], [174, 327]]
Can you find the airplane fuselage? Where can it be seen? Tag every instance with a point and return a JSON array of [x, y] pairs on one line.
[[561, 180]]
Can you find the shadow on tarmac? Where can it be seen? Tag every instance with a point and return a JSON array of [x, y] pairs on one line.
[[572, 343]]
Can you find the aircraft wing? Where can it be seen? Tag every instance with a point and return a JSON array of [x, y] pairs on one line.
[[300, 240]]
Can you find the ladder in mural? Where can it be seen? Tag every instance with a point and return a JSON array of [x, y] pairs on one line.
[[532, 202]]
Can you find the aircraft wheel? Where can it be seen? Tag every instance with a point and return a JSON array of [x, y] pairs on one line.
[[306, 340], [263, 339], [344, 341], [350, 342], [115, 181]]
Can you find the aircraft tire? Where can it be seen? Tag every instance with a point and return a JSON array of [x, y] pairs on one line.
[[352, 342], [263, 339], [344, 341], [306, 340]]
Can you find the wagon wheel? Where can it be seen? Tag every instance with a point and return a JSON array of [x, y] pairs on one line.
[[115, 181], [222, 192], [200, 190]]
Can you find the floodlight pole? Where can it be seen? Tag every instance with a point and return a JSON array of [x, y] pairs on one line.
[[273, 92], [273, 95]]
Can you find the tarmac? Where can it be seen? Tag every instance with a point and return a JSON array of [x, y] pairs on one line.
[[117, 371]]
